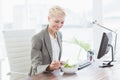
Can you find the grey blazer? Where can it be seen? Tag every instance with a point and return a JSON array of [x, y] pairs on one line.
[[41, 52]]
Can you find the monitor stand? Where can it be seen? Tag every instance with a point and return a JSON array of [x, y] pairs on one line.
[[109, 63], [106, 65]]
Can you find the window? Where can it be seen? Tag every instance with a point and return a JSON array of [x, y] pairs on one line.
[[111, 13]]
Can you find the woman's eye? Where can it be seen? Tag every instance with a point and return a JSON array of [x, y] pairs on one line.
[[62, 22], [59, 21]]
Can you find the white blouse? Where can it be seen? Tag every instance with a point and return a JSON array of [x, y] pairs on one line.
[[55, 47]]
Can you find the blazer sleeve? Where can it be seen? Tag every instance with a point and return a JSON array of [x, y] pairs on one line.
[[36, 56]]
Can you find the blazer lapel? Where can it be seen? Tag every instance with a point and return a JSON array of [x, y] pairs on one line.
[[49, 46], [48, 43]]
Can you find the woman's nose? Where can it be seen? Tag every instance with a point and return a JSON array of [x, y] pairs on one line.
[[60, 25]]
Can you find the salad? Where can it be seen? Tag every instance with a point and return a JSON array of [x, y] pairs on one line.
[[69, 66]]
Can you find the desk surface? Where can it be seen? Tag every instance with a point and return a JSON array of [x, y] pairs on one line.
[[92, 72]]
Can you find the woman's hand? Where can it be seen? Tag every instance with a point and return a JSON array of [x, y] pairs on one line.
[[55, 65], [62, 62]]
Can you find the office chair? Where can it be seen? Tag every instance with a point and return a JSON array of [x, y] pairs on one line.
[[18, 47]]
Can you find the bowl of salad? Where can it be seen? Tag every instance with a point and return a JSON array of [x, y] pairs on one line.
[[67, 68]]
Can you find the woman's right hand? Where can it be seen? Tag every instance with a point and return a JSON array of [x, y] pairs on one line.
[[55, 65]]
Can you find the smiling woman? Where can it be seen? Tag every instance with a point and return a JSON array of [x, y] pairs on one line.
[[47, 44]]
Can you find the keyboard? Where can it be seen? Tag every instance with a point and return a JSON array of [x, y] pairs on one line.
[[83, 65]]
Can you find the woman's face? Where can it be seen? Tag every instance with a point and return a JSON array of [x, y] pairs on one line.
[[55, 23]]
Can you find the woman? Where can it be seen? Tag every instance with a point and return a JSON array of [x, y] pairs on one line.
[[47, 44]]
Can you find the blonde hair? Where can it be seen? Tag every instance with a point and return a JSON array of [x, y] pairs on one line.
[[56, 11]]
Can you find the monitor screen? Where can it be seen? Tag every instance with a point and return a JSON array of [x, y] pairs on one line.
[[105, 46]]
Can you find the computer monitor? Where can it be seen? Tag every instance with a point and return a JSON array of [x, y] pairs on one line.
[[105, 46]]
